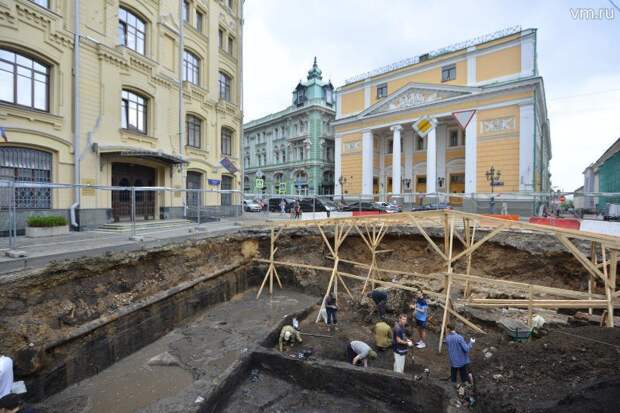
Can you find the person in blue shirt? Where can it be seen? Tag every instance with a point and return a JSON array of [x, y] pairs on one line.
[[458, 353], [421, 319]]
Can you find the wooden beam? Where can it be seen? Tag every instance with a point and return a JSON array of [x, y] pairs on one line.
[[429, 240], [478, 244], [464, 320], [581, 258], [444, 321]]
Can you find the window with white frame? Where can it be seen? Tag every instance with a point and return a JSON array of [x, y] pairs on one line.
[[131, 30], [226, 146], [448, 73], [133, 111], [191, 67], [24, 81], [193, 127], [225, 82]]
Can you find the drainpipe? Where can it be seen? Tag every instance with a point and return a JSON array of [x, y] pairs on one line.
[[76, 111], [181, 116], [241, 153]]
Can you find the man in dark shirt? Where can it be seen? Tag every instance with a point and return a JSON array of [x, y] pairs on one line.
[[331, 308], [380, 298], [400, 344]]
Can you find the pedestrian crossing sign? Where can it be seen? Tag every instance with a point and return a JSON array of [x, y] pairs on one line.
[[424, 125], [282, 188], [260, 183]]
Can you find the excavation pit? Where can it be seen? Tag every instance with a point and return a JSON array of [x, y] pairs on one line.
[[89, 318]]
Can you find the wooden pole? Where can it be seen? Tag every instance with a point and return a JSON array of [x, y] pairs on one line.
[[590, 279], [445, 312], [271, 271], [529, 308], [608, 289]]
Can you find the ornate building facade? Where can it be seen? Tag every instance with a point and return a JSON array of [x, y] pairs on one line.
[[493, 80], [128, 124], [292, 151]]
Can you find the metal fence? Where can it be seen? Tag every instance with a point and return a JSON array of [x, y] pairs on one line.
[[115, 208]]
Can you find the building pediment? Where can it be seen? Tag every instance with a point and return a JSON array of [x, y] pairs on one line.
[[413, 95]]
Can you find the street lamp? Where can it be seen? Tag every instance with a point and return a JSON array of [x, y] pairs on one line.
[[342, 181], [493, 177]]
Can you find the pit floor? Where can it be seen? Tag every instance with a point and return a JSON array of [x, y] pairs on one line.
[[206, 346]]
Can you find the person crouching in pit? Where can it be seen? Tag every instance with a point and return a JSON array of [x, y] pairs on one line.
[[358, 352], [288, 335]]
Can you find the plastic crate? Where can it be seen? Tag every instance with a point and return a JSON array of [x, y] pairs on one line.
[[516, 329]]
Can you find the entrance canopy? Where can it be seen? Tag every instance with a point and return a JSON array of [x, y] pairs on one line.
[[132, 152]]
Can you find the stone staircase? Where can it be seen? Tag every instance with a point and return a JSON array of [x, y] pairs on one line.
[[144, 226]]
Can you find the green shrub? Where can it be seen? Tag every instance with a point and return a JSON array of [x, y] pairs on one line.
[[46, 221]]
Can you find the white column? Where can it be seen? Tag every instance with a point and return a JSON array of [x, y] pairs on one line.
[[337, 164], [408, 149], [528, 55], [396, 167], [431, 161], [471, 67], [442, 143], [471, 142], [367, 164], [526, 147]]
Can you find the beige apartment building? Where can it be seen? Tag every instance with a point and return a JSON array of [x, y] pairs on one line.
[[134, 129]]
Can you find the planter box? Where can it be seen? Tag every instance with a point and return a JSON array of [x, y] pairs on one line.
[[36, 232]]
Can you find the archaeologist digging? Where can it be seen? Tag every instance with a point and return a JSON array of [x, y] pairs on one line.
[[383, 335], [380, 298], [400, 344], [288, 335], [458, 353], [359, 352], [420, 309]]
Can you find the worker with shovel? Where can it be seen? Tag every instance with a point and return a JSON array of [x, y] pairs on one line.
[[288, 335]]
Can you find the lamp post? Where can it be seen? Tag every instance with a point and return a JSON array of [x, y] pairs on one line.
[[342, 181], [493, 177]]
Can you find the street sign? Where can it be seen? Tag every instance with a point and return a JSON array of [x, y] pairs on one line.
[[230, 167], [497, 183], [464, 117], [259, 183], [282, 188], [213, 182], [424, 125]]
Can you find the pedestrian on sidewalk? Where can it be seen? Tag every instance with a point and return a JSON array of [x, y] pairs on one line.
[[380, 298], [282, 206], [331, 308], [420, 309], [383, 335], [297, 210], [458, 353], [400, 344], [359, 352]]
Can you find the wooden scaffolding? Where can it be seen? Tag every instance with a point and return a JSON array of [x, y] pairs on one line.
[[601, 264]]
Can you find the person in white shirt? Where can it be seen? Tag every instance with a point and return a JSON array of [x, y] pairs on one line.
[[6, 375]]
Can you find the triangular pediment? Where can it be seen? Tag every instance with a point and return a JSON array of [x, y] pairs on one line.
[[417, 94]]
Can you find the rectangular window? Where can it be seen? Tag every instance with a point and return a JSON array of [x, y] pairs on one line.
[[193, 126], [199, 20], [390, 146], [191, 68], [226, 142], [131, 30], [42, 3], [453, 138], [224, 87], [220, 38], [133, 111], [185, 11], [231, 43], [448, 73], [381, 90], [23, 81], [419, 144], [231, 3]]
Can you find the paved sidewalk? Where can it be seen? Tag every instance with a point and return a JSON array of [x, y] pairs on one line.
[[42, 251]]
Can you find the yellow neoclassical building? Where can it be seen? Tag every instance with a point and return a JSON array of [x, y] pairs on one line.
[[134, 126], [494, 77]]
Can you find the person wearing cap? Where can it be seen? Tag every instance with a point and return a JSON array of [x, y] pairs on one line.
[[380, 298], [6, 375], [288, 334], [458, 353], [358, 351], [383, 335], [420, 309]]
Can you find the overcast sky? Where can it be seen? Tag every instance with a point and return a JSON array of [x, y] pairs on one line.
[[578, 59]]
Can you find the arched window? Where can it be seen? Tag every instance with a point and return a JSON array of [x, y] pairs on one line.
[[191, 67], [226, 144], [131, 30], [193, 127], [27, 165], [23, 80], [133, 111]]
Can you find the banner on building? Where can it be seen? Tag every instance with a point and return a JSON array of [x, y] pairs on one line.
[[424, 125], [464, 117], [230, 167]]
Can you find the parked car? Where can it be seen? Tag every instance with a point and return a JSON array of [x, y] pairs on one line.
[[363, 206], [316, 205], [389, 207], [274, 204], [431, 207], [251, 206]]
